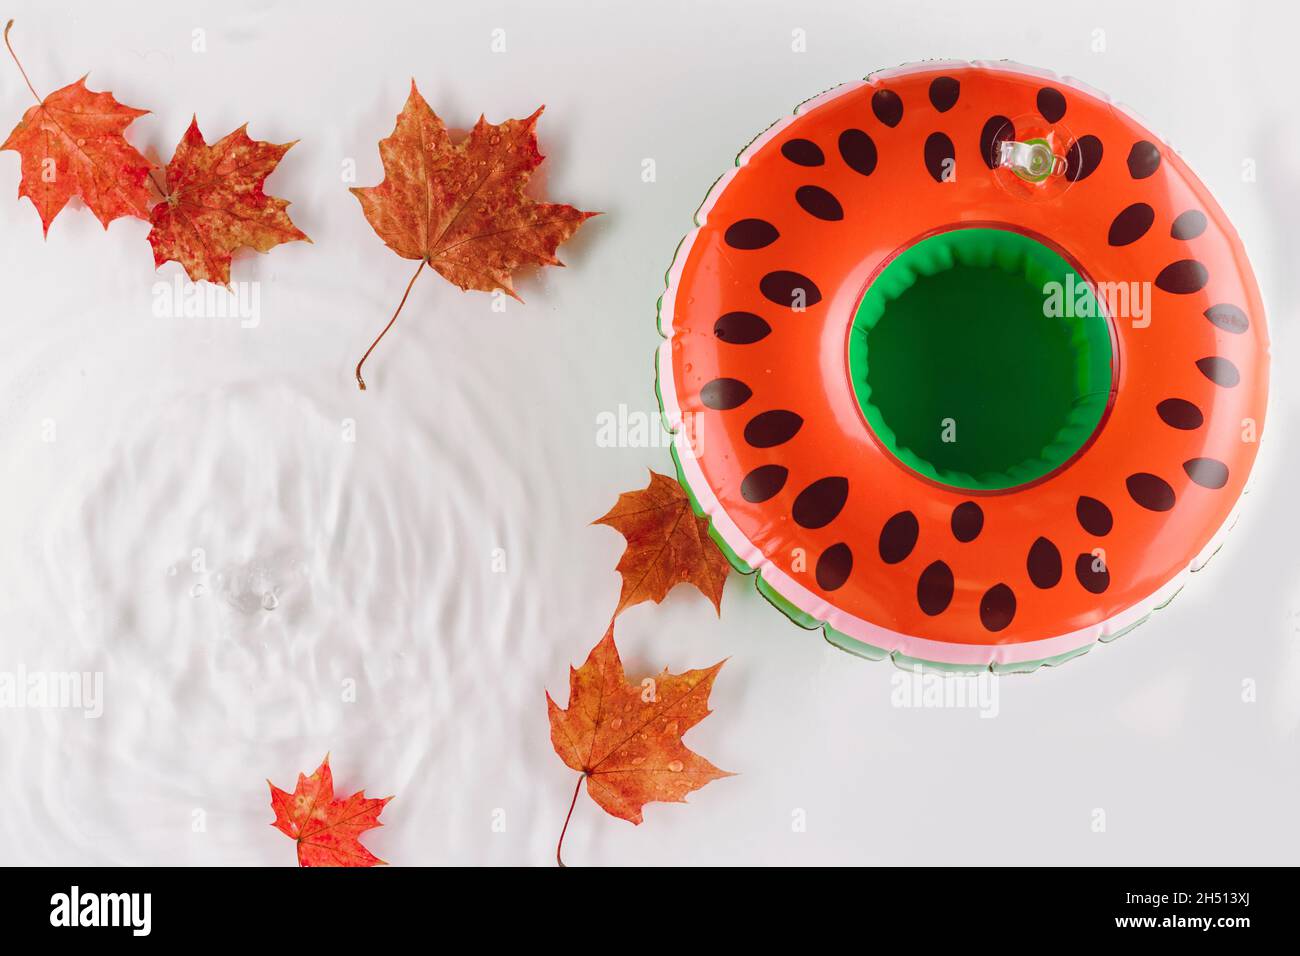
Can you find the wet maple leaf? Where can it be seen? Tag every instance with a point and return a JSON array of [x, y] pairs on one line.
[[667, 543], [460, 207], [326, 829], [626, 739], [214, 204], [71, 143]]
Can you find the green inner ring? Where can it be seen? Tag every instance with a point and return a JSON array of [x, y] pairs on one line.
[[981, 359]]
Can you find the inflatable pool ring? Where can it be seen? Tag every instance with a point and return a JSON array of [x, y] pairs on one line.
[[966, 364]]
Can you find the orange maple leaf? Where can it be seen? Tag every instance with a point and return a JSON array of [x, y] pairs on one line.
[[72, 144], [214, 204], [326, 829], [667, 543], [626, 739], [460, 208]]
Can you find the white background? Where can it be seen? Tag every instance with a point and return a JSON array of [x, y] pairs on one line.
[[479, 432]]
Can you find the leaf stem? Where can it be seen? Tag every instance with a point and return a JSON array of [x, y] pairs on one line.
[[361, 381], [8, 27], [558, 861]]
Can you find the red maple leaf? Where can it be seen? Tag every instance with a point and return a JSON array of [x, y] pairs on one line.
[[460, 207], [213, 204], [71, 143], [326, 829], [667, 543], [626, 739]]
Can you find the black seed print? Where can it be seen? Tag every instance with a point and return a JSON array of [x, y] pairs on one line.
[[1094, 517], [967, 521], [1189, 225], [1207, 472], [1150, 491], [997, 607], [802, 152], [1044, 564], [858, 150], [940, 159], [751, 234], [996, 131], [1093, 579], [769, 429], [764, 482], [1131, 224], [1228, 317], [944, 91], [741, 328], [834, 566], [898, 537], [1051, 104], [1180, 413], [1082, 158], [1219, 371], [821, 502], [1183, 277], [887, 107], [722, 394], [785, 288], [934, 588], [819, 202], [1143, 159]]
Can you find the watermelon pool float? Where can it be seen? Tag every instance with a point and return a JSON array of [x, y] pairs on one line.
[[965, 365]]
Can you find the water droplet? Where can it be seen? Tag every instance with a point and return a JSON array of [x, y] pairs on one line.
[[670, 727], [269, 601], [675, 766], [171, 572], [637, 761], [616, 723], [198, 590]]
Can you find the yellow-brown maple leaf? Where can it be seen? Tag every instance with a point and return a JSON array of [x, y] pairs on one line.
[[326, 830], [71, 143], [214, 204], [626, 739], [460, 207], [667, 543]]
